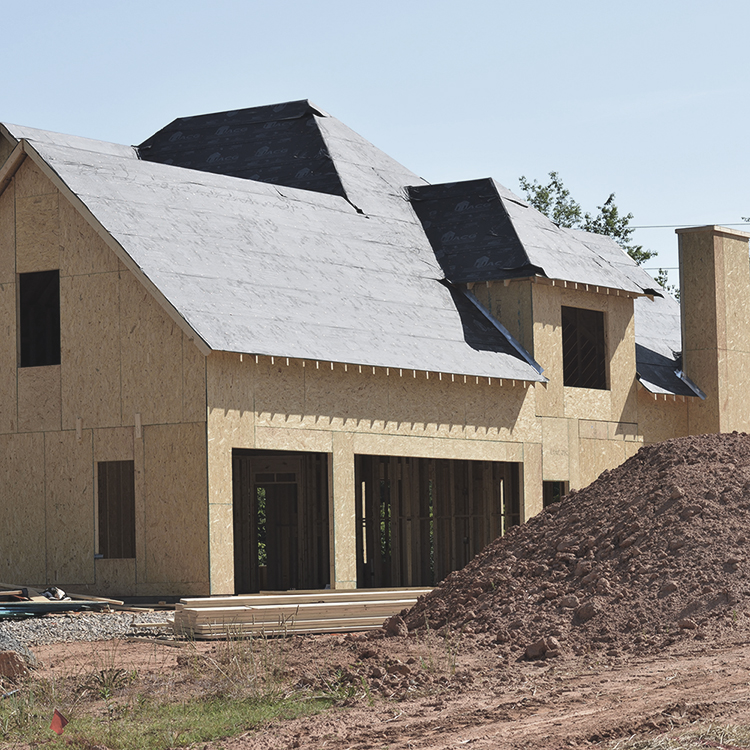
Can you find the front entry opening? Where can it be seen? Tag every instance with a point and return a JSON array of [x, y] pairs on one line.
[[280, 520], [419, 519]]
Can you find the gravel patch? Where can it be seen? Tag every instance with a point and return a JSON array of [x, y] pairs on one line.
[[21, 635]]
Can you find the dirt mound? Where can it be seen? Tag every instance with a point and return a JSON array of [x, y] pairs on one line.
[[651, 552]]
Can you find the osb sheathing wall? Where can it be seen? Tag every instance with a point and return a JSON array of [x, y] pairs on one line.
[[6, 147], [662, 417], [584, 430], [130, 386], [285, 404], [714, 292]]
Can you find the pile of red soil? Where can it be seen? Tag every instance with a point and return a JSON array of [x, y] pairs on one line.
[[651, 552]]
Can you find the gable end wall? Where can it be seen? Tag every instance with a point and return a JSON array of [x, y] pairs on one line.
[[130, 386]]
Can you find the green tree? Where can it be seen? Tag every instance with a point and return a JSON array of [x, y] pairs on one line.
[[554, 201]]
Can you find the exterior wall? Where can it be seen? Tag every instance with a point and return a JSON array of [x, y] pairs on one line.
[[280, 404], [714, 293], [130, 386], [6, 147], [584, 431], [663, 417]]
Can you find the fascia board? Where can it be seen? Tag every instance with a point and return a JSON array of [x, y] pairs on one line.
[[112, 243]]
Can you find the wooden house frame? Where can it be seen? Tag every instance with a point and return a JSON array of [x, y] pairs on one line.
[[283, 360]]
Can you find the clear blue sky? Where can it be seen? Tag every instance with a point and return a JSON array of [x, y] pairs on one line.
[[645, 99]]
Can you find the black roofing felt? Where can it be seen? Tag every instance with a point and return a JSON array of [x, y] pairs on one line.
[[279, 144], [470, 231], [658, 341], [480, 333]]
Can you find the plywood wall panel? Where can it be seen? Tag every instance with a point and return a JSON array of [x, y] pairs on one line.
[[8, 344], [231, 418], [501, 412], [176, 528], [221, 524], [90, 350], [69, 507], [6, 149], [548, 349], [22, 553], [8, 234], [39, 399], [350, 398], [31, 181], [139, 464], [598, 455], [424, 447], [620, 324], [297, 439], [512, 306], [113, 444], [280, 392], [532, 499], [115, 577], [82, 250], [342, 515], [151, 355], [588, 403], [660, 419], [193, 382], [37, 233], [555, 450]]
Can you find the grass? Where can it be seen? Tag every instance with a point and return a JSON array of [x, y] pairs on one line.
[[144, 724], [240, 685], [717, 736]]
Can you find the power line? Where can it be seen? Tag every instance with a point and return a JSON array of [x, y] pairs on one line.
[[685, 226]]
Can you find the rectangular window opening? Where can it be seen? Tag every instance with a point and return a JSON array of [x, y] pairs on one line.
[[39, 318], [116, 505], [553, 492], [584, 350]]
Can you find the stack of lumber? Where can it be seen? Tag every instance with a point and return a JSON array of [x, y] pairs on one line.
[[280, 613]]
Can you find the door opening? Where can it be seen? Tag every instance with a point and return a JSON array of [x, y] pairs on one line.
[[280, 520]]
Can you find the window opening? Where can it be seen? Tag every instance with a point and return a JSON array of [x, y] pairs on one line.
[[553, 492], [116, 506], [584, 351], [39, 308]]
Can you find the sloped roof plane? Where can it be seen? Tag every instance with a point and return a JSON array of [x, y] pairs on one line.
[[278, 230], [481, 231], [259, 269]]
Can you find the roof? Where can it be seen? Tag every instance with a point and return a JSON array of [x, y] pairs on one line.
[[266, 269], [17, 132], [295, 144], [481, 231], [658, 348], [278, 230]]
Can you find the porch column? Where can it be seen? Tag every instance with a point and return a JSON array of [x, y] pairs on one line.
[[342, 514]]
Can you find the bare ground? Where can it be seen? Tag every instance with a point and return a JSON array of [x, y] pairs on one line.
[[469, 697]]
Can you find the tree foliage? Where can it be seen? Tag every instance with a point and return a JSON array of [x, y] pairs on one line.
[[554, 201]]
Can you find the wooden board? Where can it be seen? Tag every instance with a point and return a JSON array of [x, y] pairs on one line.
[[311, 612]]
